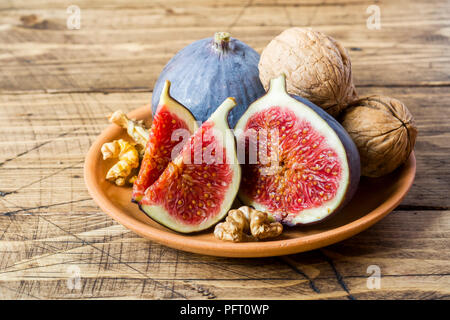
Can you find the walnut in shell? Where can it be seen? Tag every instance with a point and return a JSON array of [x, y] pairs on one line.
[[316, 66], [384, 131]]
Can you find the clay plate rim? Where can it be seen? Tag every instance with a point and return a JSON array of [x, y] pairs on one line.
[[227, 249]]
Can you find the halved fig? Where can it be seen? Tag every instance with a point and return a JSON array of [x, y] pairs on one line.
[[198, 187], [172, 126], [300, 164]]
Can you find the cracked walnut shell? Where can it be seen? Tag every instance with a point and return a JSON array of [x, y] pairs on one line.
[[316, 66], [384, 131]]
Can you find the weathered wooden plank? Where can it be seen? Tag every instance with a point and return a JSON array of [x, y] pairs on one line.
[[66, 228], [137, 4], [409, 247], [56, 130], [49, 225], [128, 48]]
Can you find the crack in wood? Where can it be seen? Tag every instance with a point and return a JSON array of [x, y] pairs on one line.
[[29, 70], [77, 261], [47, 248], [400, 275], [263, 280], [9, 213], [238, 17], [19, 292], [36, 147], [404, 207], [438, 84], [3, 194], [158, 283], [339, 277], [290, 264]]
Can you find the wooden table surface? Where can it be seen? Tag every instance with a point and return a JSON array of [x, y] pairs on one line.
[[57, 85]]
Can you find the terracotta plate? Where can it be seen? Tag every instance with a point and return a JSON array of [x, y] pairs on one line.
[[374, 199]]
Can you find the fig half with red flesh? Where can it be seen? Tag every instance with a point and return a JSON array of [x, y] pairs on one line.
[[306, 166], [198, 187], [172, 126]]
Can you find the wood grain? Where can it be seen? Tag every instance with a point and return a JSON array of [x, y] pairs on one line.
[[67, 124], [58, 85], [126, 49], [114, 262]]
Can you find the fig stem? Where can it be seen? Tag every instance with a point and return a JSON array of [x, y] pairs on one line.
[[278, 84], [221, 41], [165, 94], [221, 113]]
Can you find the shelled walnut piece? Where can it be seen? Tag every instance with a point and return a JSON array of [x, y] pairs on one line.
[[241, 221], [128, 160], [129, 154], [135, 129]]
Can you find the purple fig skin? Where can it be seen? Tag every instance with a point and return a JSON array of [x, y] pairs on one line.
[[353, 160], [203, 76]]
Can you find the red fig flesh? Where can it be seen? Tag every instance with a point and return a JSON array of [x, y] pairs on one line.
[[198, 187], [306, 166], [171, 127]]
